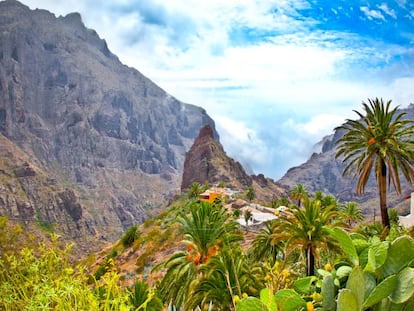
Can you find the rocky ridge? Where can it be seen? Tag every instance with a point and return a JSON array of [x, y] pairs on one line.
[[90, 123]]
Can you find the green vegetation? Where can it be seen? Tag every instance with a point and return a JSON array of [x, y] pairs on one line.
[[301, 261], [380, 141], [39, 276], [306, 230], [44, 224], [130, 236], [298, 193], [250, 194], [195, 190], [319, 254]]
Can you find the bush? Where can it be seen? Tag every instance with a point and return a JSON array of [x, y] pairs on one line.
[[130, 236]]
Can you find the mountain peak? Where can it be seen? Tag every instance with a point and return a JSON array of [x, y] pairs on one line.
[[206, 161], [92, 124]]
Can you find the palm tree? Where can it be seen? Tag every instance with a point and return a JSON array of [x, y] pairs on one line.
[[262, 248], [299, 193], [250, 193], [223, 277], [247, 216], [381, 140], [329, 200], [195, 190], [351, 213], [206, 228], [305, 229]]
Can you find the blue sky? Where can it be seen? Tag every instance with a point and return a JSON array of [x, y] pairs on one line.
[[276, 76]]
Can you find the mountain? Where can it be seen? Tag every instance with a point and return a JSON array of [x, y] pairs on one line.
[[206, 161], [322, 172], [101, 130]]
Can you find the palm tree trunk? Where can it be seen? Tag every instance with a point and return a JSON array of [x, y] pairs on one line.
[[382, 187], [310, 261]]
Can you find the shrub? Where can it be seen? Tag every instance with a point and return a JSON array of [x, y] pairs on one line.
[[130, 236]]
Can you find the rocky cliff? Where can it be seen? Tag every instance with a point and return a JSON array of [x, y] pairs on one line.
[[104, 130], [206, 161]]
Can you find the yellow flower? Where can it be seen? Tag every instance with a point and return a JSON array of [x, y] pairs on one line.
[[68, 271], [316, 297], [309, 306], [277, 212], [285, 273], [328, 267], [244, 295], [236, 298]]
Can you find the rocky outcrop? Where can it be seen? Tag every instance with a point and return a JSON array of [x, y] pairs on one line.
[[206, 161], [105, 130]]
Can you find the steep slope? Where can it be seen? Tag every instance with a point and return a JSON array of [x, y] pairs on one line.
[[40, 203], [324, 173], [70, 104], [206, 161]]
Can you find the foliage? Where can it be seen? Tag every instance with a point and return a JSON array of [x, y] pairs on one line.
[[236, 213], [144, 298], [106, 265], [304, 229], [378, 276], [286, 299], [223, 277], [41, 277], [221, 184], [247, 216], [43, 223], [250, 194], [262, 247], [299, 193], [195, 190], [211, 271], [207, 229], [351, 213], [380, 141], [130, 236], [11, 237]]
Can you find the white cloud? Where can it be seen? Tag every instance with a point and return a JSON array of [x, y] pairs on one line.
[[243, 143], [272, 81], [372, 14], [384, 7]]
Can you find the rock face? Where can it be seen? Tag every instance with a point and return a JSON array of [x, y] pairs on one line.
[[322, 172], [100, 127], [206, 161]]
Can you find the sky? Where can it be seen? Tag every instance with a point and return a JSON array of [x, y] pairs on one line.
[[275, 75]]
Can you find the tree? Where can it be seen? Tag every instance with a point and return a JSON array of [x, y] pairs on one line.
[[380, 141], [305, 229], [262, 248], [299, 193], [223, 278], [247, 216], [195, 190], [351, 213], [206, 228], [221, 184], [250, 193]]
